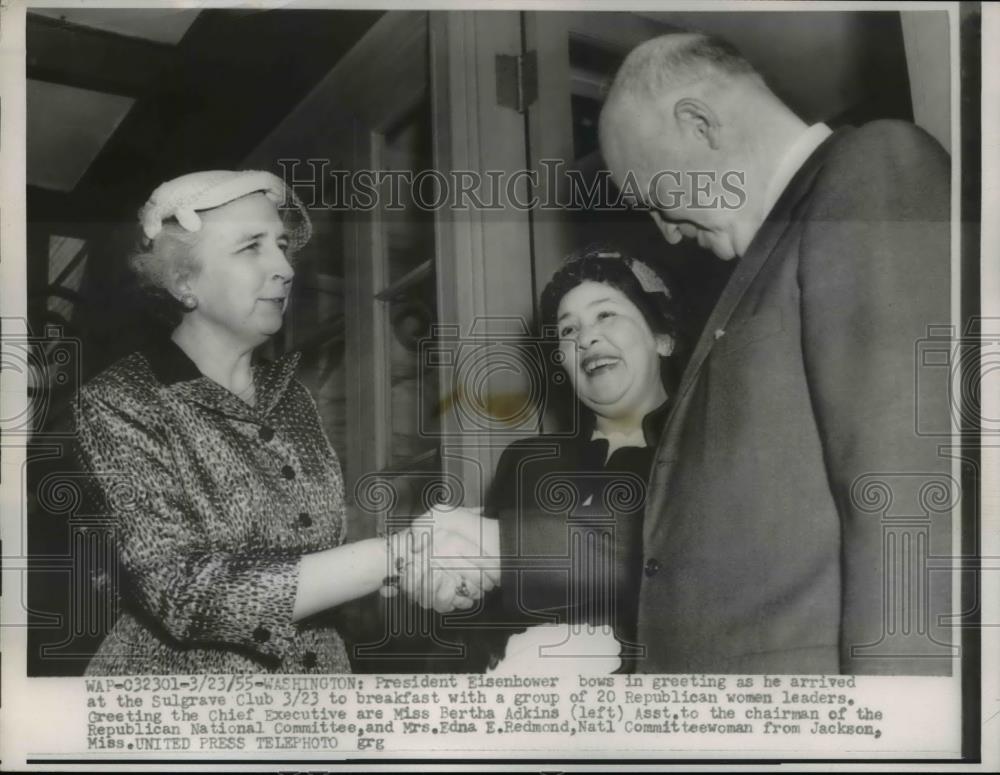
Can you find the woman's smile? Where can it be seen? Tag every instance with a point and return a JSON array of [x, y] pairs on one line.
[[609, 351], [598, 365]]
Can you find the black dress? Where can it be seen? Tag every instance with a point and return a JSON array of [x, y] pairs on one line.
[[571, 533]]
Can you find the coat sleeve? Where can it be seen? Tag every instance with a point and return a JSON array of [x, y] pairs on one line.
[[874, 276], [551, 561], [535, 579], [187, 586]]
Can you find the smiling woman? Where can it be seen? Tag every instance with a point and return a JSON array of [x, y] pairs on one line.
[[610, 353], [227, 498], [565, 510], [617, 328]]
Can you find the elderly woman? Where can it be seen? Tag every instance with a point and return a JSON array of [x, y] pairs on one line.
[[564, 516], [227, 497]]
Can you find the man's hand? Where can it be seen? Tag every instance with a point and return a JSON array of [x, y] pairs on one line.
[[453, 560]]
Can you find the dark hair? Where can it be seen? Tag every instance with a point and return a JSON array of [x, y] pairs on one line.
[[610, 265]]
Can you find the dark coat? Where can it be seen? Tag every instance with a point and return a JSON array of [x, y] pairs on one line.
[[571, 528], [790, 478]]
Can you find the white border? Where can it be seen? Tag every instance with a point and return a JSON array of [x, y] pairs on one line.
[[13, 281]]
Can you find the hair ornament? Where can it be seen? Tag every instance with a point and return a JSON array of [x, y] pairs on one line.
[[650, 281]]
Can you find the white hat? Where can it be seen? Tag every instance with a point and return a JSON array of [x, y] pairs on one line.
[[182, 198]]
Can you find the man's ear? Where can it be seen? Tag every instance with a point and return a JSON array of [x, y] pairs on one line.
[[664, 344], [697, 118]]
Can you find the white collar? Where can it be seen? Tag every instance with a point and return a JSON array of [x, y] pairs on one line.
[[792, 162], [618, 439], [632, 434]]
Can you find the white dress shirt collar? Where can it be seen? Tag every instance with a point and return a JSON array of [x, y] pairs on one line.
[[792, 162]]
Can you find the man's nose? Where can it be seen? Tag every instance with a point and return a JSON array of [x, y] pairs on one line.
[[671, 231]]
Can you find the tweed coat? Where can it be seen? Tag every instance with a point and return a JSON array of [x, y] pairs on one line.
[[214, 502]]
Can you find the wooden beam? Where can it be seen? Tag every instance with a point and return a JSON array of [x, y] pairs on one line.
[[233, 79], [62, 213], [88, 58]]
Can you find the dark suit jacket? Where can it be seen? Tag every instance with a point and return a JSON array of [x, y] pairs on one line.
[[794, 512], [793, 508]]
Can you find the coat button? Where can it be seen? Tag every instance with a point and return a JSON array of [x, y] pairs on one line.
[[265, 433], [652, 567], [305, 520], [262, 635], [288, 472], [309, 659]]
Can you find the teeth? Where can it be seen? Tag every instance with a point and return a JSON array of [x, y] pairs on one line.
[[597, 363]]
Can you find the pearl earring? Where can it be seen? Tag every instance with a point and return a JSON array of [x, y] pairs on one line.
[[189, 301]]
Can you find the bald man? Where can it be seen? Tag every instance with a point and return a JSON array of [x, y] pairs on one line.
[[766, 549]]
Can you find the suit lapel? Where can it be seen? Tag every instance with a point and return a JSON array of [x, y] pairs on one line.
[[749, 266], [760, 250]]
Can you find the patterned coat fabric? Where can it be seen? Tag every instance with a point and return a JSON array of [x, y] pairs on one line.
[[214, 502]]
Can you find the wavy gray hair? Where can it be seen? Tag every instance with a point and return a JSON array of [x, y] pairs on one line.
[[160, 264]]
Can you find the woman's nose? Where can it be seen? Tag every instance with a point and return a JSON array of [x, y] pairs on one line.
[[588, 336], [280, 266]]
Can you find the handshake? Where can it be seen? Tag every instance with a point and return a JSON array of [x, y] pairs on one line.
[[446, 560]]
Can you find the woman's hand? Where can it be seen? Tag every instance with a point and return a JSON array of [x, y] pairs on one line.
[[454, 559], [335, 576]]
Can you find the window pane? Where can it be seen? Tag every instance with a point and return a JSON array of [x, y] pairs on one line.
[[410, 296], [317, 325]]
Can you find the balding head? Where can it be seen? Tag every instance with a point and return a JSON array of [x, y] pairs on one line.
[[660, 70], [662, 65], [691, 104]]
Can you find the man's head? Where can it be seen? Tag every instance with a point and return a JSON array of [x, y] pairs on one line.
[[691, 130]]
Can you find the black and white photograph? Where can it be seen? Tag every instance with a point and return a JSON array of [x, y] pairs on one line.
[[555, 383]]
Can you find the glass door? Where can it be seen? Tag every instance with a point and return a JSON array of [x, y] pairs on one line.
[[400, 294], [406, 298], [388, 280]]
